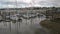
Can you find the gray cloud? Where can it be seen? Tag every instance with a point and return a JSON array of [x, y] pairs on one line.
[[28, 3]]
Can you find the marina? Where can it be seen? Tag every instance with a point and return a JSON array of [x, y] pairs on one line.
[[26, 26]]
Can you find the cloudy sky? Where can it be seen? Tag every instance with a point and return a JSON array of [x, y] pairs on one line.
[[28, 3]]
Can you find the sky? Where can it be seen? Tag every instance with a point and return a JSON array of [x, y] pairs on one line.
[[28, 3]]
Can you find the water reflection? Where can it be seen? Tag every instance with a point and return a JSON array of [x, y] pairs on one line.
[[26, 26]]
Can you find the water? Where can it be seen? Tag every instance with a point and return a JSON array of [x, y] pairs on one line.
[[27, 26]]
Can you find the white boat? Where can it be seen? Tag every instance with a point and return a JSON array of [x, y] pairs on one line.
[[13, 17]]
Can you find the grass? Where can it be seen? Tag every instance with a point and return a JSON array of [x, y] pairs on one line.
[[53, 25], [57, 20]]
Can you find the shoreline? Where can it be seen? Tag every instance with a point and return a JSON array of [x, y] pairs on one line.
[[53, 27]]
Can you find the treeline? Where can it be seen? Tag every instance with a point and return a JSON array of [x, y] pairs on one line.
[[34, 8]]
